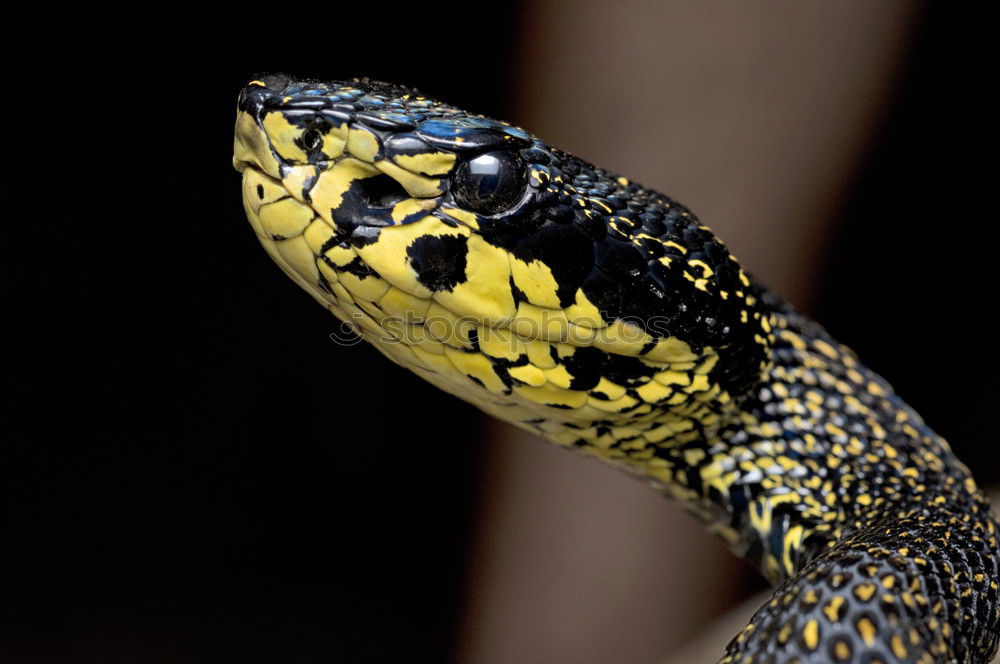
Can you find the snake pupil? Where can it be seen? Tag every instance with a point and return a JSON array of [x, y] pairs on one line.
[[490, 183]]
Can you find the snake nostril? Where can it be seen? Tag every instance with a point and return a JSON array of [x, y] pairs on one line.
[[382, 191], [312, 139]]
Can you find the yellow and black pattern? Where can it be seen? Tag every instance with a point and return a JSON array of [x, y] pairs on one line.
[[604, 317]]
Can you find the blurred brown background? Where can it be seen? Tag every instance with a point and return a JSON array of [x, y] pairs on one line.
[[194, 472]]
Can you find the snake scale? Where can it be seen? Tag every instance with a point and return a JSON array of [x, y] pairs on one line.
[[603, 316]]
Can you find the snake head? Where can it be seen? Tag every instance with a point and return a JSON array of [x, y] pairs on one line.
[[498, 267], [369, 155]]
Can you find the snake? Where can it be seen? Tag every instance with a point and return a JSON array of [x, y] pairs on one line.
[[604, 317]]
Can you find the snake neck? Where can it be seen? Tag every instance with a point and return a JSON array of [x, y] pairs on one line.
[[820, 448], [836, 490]]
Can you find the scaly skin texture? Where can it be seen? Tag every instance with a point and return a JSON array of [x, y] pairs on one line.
[[602, 316]]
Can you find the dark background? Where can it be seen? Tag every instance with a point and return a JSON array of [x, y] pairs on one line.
[[911, 275], [194, 471]]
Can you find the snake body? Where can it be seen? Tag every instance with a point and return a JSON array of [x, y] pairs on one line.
[[604, 317]]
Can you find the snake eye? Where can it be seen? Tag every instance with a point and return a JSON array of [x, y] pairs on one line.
[[311, 139], [490, 182]]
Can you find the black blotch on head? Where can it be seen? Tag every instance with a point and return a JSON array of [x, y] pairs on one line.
[[621, 260], [627, 371], [439, 260], [586, 367], [517, 293], [359, 268], [605, 293], [362, 236], [503, 374], [565, 249]]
